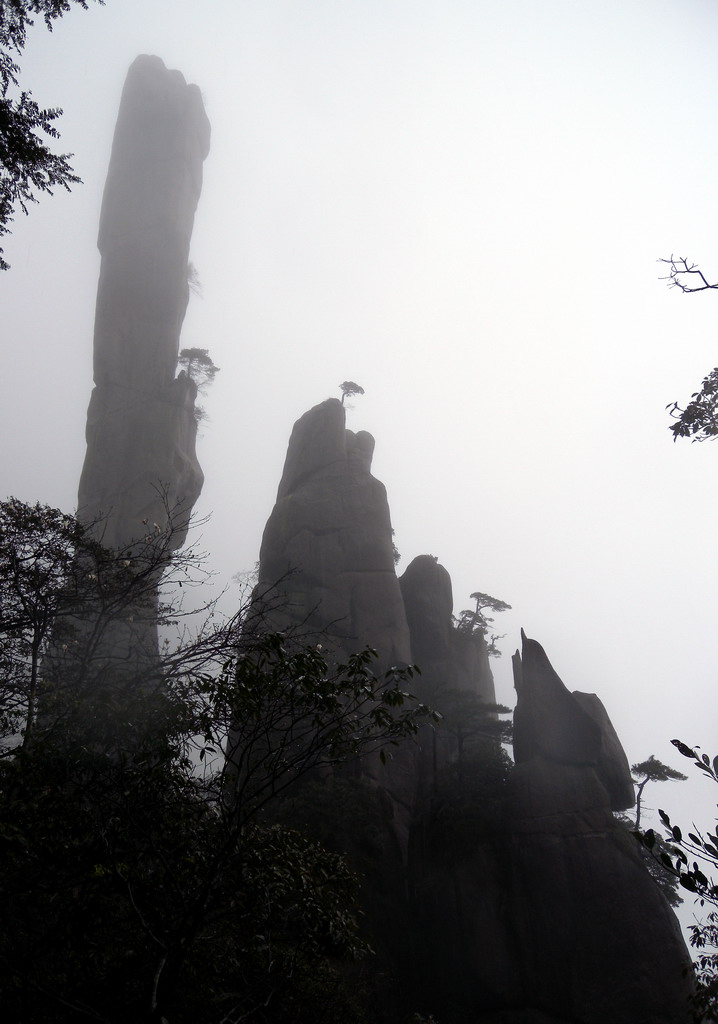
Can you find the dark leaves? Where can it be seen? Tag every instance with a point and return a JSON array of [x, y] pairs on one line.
[[27, 164]]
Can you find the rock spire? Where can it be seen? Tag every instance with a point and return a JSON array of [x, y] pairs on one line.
[[327, 555], [141, 427]]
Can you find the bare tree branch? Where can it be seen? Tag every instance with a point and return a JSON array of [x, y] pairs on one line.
[[678, 266]]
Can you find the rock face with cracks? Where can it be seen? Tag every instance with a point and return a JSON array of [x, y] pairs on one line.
[[534, 908], [454, 665], [141, 426], [327, 553], [141, 475], [595, 939]]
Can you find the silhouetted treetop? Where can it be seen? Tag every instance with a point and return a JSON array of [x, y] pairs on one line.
[[27, 164]]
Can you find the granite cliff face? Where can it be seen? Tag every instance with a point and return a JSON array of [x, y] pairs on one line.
[[327, 553], [597, 942], [449, 659], [141, 477], [527, 902], [494, 896], [545, 913], [454, 665], [141, 427]]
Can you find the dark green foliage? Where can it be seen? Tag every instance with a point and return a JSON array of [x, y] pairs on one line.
[[198, 365], [349, 389], [71, 609], [688, 857], [141, 875], [468, 804], [466, 716], [704, 937], [701, 846], [652, 770], [38, 592], [396, 554], [118, 883], [357, 819], [667, 883], [135, 889], [288, 713], [27, 164], [699, 419], [475, 622], [473, 727], [339, 811]]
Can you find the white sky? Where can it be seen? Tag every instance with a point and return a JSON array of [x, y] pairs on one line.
[[459, 205]]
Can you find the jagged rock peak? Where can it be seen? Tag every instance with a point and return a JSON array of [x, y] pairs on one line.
[[576, 879], [565, 727], [547, 719], [320, 441], [450, 659], [327, 546]]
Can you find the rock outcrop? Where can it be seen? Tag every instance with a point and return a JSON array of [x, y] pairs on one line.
[[141, 476], [449, 658], [454, 664], [141, 427], [527, 902], [593, 938], [326, 563]]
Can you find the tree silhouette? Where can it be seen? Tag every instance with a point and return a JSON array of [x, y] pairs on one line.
[[349, 388], [28, 164], [699, 419], [474, 621], [197, 364], [652, 770]]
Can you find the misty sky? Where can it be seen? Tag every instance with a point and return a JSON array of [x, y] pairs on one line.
[[459, 205]]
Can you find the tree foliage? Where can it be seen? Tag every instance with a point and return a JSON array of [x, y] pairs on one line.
[[699, 419], [688, 851], [690, 857], [141, 877], [74, 611], [643, 772], [475, 622], [349, 388], [126, 896], [468, 802], [198, 365], [27, 164], [652, 770]]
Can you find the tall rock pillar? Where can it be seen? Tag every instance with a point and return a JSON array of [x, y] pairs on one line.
[[326, 566], [141, 427], [326, 556], [593, 938]]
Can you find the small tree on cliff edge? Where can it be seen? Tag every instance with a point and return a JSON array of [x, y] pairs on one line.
[[197, 364], [199, 367], [475, 621], [349, 388], [652, 770]]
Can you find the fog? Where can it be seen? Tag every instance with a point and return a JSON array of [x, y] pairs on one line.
[[460, 206]]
